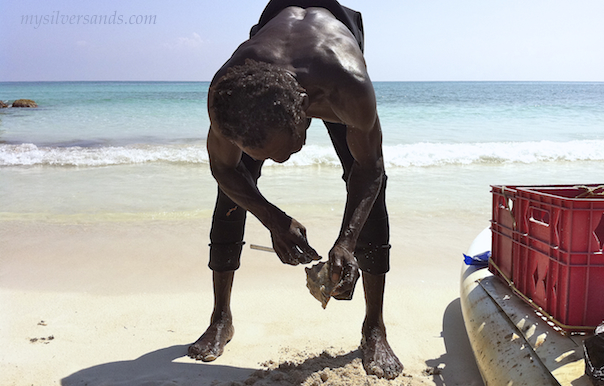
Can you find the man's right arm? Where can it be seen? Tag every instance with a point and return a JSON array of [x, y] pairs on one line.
[[235, 180], [289, 236]]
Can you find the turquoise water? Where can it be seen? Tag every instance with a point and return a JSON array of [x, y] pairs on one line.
[[138, 148], [96, 114]]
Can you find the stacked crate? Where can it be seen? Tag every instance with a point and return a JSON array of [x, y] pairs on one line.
[[548, 244]]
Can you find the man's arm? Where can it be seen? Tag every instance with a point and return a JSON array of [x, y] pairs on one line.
[[289, 236], [364, 182], [364, 138]]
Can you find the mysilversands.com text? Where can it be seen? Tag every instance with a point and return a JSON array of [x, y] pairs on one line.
[[57, 18]]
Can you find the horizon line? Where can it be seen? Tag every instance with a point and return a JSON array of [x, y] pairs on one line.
[[373, 81]]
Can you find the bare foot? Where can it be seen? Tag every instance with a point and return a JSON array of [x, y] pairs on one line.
[[211, 344], [378, 357]]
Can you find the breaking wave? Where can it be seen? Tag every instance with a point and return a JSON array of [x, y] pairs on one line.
[[402, 155]]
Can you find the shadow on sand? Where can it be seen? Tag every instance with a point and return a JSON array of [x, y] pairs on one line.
[[158, 368], [457, 366]]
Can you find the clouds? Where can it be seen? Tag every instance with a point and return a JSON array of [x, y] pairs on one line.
[[194, 41], [191, 42]]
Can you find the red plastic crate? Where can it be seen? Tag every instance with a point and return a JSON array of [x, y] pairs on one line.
[[554, 257], [502, 229]]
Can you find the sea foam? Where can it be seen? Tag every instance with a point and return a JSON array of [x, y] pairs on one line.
[[423, 154]]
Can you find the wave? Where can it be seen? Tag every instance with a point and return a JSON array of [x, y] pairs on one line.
[[436, 154], [402, 155], [28, 154]]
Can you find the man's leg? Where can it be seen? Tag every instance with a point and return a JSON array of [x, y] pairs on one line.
[[226, 236], [211, 344], [372, 254], [378, 357]]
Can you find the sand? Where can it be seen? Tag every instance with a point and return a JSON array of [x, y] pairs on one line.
[[118, 303]]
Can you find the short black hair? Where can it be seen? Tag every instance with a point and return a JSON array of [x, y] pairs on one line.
[[255, 97]]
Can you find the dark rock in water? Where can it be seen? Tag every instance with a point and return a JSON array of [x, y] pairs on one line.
[[3, 105], [24, 103]]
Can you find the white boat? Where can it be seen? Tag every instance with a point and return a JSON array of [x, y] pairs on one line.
[[513, 344]]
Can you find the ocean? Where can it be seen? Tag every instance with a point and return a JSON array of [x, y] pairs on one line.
[[129, 151]]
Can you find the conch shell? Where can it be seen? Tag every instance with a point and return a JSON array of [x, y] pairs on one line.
[[318, 282]]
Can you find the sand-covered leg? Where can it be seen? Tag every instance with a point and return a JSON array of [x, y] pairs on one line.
[[378, 357], [211, 344]]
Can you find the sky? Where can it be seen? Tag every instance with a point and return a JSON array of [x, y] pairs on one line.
[[405, 40]]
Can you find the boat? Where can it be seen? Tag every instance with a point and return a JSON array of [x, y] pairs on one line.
[[513, 343]]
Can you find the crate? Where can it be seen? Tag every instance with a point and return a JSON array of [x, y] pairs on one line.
[[502, 229], [553, 252]]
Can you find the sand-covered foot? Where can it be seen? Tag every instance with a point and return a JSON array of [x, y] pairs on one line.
[[211, 344], [378, 357]]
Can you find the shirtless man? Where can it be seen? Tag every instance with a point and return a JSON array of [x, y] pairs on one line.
[[304, 60]]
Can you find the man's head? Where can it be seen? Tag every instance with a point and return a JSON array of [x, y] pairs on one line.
[[256, 101]]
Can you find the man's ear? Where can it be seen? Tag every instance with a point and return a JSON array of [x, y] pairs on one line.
[[305, 101]]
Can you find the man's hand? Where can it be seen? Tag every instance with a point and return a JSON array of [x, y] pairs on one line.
[[291, 245], [344, 272]]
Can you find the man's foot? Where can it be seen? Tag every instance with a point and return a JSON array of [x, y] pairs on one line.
[[211, 344], [378, 357]]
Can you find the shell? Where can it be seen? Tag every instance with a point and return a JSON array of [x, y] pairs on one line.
[[318, 282]]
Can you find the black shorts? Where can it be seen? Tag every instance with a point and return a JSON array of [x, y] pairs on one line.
[[228, 222]]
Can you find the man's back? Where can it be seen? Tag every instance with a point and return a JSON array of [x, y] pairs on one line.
[[319, 50]]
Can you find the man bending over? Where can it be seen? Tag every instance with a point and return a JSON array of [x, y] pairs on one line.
[[304, 60]]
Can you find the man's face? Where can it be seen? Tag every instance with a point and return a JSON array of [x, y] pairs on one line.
[[279, 145]]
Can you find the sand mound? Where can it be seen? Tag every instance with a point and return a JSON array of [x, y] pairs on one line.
[[331, 367]]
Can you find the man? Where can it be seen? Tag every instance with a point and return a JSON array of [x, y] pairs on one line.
[[304, 60]]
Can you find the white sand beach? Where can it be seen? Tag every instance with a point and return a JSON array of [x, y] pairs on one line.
[[118, 303]]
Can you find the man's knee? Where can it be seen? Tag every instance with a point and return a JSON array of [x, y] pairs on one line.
[[374, 259], [226, 244], [225, 257], [373, 246]]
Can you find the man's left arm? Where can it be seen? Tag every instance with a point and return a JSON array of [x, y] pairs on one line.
[[365, 143]]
